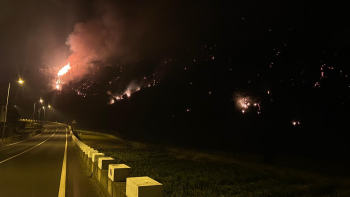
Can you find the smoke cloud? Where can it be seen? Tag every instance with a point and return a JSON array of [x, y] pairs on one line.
[[96, 40], [127, 31]]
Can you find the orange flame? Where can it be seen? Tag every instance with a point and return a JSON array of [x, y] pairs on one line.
[[64, 70]]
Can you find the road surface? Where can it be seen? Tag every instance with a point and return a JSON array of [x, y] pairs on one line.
[[46, 166]]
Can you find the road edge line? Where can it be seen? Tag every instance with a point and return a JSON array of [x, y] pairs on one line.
[[62, 189]]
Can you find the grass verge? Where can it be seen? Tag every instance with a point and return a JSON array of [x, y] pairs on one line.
[[182, 177], [185, 176]]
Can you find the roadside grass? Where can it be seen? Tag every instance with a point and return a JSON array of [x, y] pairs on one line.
[[184, 177], [189, 173]]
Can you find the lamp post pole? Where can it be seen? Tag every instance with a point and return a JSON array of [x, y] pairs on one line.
[[20, 81], [34, 111], [7, 102], [44, 113]]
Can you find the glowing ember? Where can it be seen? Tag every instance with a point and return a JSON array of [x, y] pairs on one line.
[[111, 102], [128, 93], [58, 82], [64, 70]]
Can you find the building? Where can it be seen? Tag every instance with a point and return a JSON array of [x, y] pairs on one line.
[[2, 112]]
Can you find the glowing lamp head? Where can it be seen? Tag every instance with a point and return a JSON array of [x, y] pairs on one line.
[[20, 81], [41, 100], [49, 106]]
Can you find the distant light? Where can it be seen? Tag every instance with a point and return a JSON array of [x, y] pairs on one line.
[[294, 123], [49, 106], [20, 81], [243, 111], [41, 100], [188, 110], [43, 107]]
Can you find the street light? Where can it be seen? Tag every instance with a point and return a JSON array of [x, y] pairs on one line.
[[20, 81]]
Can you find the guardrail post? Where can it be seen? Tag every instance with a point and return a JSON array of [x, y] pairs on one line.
[[143, 187]]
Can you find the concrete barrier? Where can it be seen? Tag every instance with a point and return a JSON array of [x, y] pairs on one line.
[[112, 179], [91, 152], [103, 162], [143, 187], [95, 156], [118, 172]]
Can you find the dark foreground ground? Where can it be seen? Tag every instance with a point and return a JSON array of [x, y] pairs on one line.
[[185, 172]]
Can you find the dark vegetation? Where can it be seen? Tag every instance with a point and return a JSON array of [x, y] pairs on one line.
[[12, 123]]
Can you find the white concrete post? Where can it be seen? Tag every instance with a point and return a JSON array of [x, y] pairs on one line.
[[90, 152], [103, 162], [143, 187], [118, 172]]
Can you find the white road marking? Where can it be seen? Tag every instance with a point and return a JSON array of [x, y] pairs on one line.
[[28, 149], [23, 140], [62, 189]]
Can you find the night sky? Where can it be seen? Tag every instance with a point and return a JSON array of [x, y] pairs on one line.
[[244, 75]]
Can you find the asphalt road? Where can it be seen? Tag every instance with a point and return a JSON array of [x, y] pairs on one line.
[[34, 168]]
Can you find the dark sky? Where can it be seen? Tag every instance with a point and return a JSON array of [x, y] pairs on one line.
[[34, 33]]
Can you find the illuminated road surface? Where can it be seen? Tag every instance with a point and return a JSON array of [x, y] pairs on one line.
[[33, 168]]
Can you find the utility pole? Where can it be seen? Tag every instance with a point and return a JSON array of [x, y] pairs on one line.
[[7, 102]]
